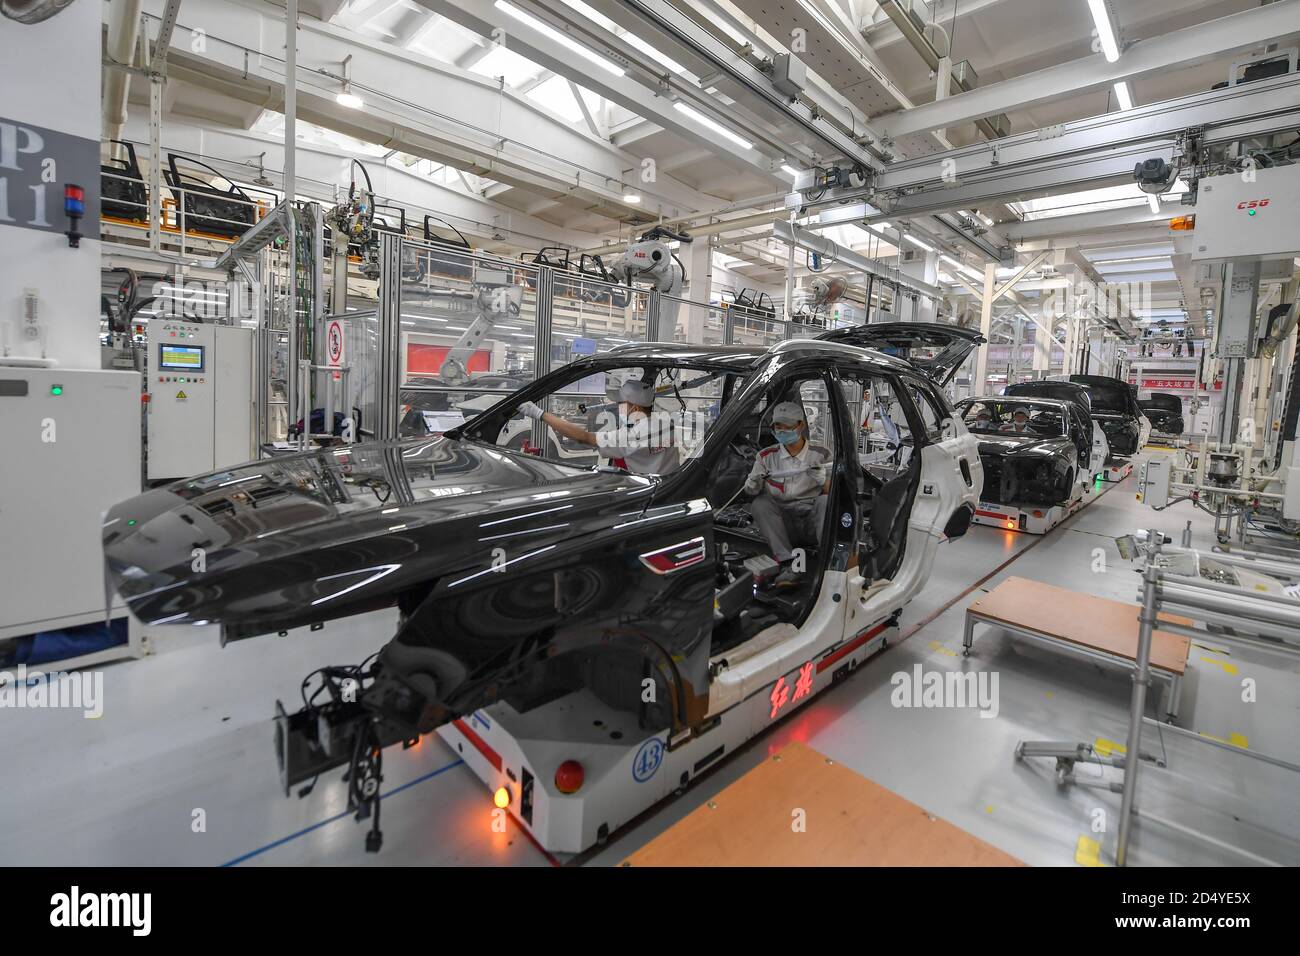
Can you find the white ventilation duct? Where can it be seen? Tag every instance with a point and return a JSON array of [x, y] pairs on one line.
[[123, 30]]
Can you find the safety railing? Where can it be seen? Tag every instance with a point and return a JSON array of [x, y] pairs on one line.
[[463, 329], [1259, 620], [193, 220]]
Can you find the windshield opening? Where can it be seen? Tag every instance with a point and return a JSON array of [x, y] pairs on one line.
[[1010, 416], [646, 419]]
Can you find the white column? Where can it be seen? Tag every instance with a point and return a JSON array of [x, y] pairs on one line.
[[1042, 347], [698, 257], [979, 382]]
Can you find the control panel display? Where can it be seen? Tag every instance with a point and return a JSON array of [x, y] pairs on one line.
[[182, 358]]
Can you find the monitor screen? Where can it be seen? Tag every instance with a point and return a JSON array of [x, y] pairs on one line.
[[182, 358]]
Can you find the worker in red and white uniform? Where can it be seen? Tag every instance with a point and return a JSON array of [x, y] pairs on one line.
[[791, 480], [634, 438]]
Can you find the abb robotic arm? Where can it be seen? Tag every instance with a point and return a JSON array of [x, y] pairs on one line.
[[651, 262], [494, 299]]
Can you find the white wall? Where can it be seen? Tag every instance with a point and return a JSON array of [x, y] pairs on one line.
[[50, 74]]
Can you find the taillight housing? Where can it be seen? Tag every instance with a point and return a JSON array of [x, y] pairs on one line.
[[569, 776]]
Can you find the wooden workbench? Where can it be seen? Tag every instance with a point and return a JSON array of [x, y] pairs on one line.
[[850, 821], [1100, 624], [1085, 625]]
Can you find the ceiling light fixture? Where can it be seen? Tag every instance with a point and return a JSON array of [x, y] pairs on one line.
[[1105, 29], [917, 242], [345, 96], [1122, 95], [631, 196], [565, 41], [705, 121], [790, 171], [1154, 202]]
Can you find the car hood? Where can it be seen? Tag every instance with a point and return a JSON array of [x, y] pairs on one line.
[[1161, 404], [1024, 446], [936, 350], [1109, 395], [309, 537], [1057, 390]]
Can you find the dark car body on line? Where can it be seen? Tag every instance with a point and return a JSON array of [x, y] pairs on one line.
[[1115, 408], [423, 525], [1039, 465], [1165, 410]]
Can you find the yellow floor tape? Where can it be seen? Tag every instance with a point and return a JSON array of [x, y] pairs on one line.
[[936, 646], [1087, 852], [1228, 666], [1106, 748]]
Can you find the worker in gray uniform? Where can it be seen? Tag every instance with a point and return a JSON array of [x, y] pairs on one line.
[[791, 481], [635, 438]]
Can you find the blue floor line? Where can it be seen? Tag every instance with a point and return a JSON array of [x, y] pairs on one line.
[[338, 816]]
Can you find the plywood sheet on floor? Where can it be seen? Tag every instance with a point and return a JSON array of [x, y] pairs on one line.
[[799, 808]]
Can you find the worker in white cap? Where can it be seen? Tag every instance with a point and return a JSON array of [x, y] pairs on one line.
[[633, 439], [1019, 420], [791, 480]]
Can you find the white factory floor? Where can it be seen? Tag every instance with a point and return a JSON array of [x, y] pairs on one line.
[[186, 736]]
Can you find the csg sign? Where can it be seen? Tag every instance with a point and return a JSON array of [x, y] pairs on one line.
[[35, 164], [1253, 204]]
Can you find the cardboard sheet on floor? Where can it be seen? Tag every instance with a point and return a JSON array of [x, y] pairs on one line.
[[1084, 619], [848, 821]]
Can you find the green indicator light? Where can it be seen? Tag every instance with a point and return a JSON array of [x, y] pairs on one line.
[[1251, 213], [130, 522], [56, 389]]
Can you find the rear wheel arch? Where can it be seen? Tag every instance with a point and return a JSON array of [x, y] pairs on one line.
[[959, 522]]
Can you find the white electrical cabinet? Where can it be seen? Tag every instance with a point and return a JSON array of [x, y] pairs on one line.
[[71, 441], [200, 383], [1248, 218], [1155, 481]]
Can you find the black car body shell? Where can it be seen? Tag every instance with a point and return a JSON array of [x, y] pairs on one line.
[[1030, 468], [1116, 410], [517, 578], [1165, 411]]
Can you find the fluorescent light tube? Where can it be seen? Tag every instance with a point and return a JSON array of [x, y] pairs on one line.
[[1105, 29], [705, 121], [1122, 96], [560, 38]]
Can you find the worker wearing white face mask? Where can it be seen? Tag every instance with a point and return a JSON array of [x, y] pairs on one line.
[[633, 439], [791, 481], [1019, 423]]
